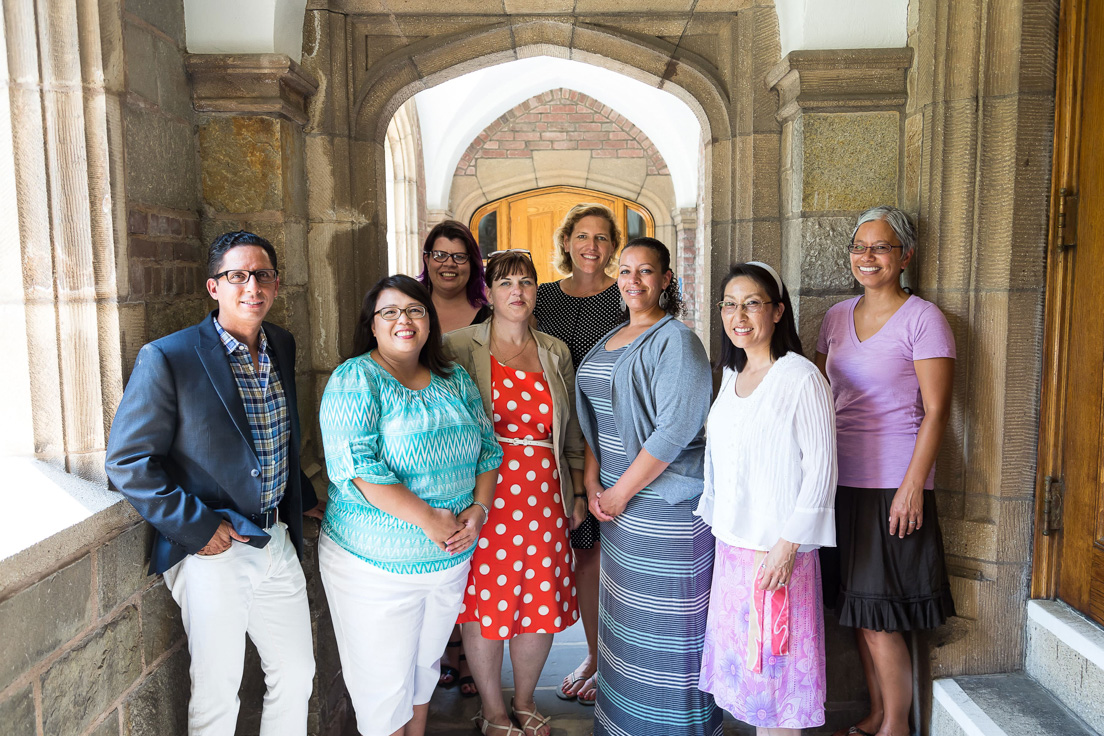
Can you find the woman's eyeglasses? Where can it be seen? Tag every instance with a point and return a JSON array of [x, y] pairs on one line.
[[752, 306], [443, 255], [878, 249], [414, 311]]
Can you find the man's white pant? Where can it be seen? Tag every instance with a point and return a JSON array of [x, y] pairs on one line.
[[223, 597]]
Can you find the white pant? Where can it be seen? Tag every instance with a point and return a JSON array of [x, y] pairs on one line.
[[391, 630], [223, 597]]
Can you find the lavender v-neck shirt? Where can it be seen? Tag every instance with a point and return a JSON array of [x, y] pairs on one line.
[[876, 392]]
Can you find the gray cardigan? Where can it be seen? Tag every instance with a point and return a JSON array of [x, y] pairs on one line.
[[662, 388]]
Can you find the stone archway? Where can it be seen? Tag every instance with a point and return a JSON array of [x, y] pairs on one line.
[[405, 193], [367, 68]]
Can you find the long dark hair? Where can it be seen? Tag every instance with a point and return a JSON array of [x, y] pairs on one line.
[[784, 340], [433, 352], [456, 230], [674, 294]]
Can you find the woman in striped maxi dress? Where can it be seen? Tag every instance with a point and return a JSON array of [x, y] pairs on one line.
[[643, 393]]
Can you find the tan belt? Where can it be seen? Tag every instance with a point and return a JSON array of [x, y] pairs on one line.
[[527, 443]]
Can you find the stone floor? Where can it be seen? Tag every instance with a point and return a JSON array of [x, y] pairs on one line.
[[450, 714]]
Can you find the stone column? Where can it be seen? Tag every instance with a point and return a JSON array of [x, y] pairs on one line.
[[842, 115], [690, 265], [252, 109]]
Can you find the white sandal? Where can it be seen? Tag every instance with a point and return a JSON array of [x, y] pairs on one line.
[[530, 716], [483, 725]]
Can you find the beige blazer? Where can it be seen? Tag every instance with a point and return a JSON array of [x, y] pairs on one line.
[[471, 348]]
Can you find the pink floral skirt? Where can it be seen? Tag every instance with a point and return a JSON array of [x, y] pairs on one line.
[[764, 655]]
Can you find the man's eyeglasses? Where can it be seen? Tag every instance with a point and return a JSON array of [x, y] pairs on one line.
[[443, 255], [414, 311], [240, 276], [751, 306], [878, 249]]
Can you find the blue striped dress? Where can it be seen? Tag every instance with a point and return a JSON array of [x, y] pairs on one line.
[[657, 566]]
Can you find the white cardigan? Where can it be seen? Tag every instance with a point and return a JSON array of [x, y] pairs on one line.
[[770, 460]]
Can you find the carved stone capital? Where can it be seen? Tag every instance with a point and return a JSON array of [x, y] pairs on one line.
[[250, 84], [840, 80]]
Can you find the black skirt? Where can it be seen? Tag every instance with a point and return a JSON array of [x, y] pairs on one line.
[[881, 582], [587, 533]]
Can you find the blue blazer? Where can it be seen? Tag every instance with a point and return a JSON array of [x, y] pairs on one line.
[[181, 449]]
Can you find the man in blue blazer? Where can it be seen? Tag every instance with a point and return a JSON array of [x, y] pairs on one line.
[[205, 444]]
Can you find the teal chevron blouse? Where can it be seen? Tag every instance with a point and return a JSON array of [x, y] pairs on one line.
[[435, 441]]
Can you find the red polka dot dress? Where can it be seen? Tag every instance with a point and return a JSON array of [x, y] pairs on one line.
[[521, 579]]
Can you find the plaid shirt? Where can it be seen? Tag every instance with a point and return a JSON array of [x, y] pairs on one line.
[[262, 393]]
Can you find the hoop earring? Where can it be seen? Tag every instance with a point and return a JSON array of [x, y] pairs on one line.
[[663, 300], [624, 306]]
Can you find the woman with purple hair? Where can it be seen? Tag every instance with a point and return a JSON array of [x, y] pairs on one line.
[[452, 270]]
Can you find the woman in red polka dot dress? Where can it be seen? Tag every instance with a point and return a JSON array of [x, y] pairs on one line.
[[521, 586]]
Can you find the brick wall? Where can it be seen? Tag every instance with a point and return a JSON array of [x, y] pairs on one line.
[[167, 259], [561, 120], [601, 146]]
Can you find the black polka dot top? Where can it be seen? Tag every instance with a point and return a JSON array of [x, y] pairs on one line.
[[578, 321]]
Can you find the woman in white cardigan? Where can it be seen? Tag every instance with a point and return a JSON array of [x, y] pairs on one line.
[[770, 482]]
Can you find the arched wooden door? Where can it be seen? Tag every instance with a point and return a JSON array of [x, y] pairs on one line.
[[530, 219]]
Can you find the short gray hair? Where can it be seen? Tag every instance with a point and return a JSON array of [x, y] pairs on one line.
[[898, 221]]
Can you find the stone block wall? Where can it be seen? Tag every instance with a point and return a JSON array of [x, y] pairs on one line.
[[842, 120], [252, 175], [94, 644], [165, 255], [978, 140]]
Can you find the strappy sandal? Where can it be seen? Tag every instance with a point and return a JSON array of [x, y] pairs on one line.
[[484, 725], [856, 731], [467, 680], [449, 674], [528, 728]]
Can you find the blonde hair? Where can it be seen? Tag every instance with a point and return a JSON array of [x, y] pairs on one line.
[[562, 260]]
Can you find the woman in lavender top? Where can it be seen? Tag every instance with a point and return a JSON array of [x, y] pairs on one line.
[[889, 357]]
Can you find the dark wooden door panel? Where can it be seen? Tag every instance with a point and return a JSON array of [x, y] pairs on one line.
[[1081, 562]]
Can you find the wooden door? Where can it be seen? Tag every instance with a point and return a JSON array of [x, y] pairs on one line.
[[1070, 529], [529, 220]]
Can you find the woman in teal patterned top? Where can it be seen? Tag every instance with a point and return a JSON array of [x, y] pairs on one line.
[[412, 461]]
